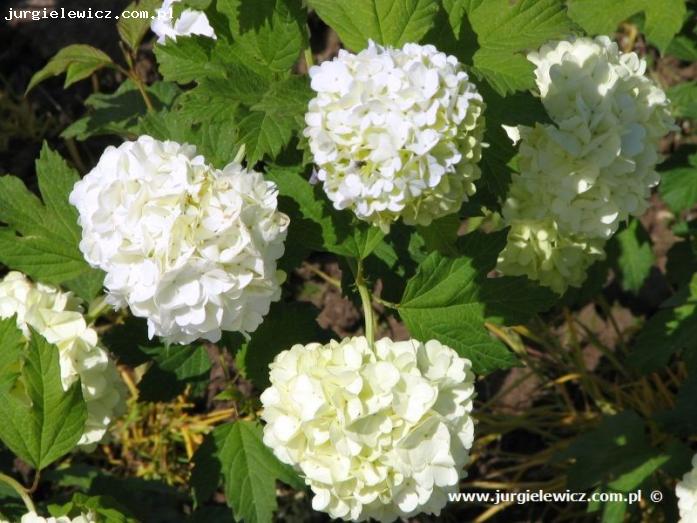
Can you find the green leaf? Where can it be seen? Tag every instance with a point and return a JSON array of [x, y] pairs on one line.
[[216, 141], [513, 300], [270, 125], [323, 228], [361, 242], [684, 48], [616, 451], [42, 239], [12, 507], [118, 113], [451, 31], [505, 29], [104, 508], [132, 29], [449, 299], [173, 368], [263, 134], [505, 72], [663, 20], [387, 22], [441, 235], [77, 61], [314, 223], [614, 511], [668, 331], [49, 421], [188, 59], [298, 323], [681, 263], [521, 108], [683, 98], [682, 420], [678, 186], [148, 500], [11, 345], [635, 256], [249, 470], [268, 35], [215, 99]]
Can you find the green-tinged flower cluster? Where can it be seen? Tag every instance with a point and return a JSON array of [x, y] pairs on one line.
[[590, 169]]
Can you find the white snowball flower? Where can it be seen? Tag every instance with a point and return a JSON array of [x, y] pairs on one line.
[[376, 434], [191, 248], [57, 317], [190, 22], [33, 517], [537, 250], [608, 119], [395, 132], [686, 491], [594, 166]]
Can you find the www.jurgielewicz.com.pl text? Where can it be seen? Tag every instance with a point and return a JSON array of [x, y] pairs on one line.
[[540, 496]]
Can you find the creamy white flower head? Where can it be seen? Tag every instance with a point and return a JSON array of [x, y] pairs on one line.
[[580, 186], [190, 22], [395, 132], [191, 248], [598, 160], [536, 249], [57, 317], [376, 434], [686, 491], [592, 168], [33, 517]]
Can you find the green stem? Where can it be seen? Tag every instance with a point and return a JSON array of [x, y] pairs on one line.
[[385, 303], [309, 59], [96, 309], [133, 75], [367, 302], [143, 91], [20, 490]]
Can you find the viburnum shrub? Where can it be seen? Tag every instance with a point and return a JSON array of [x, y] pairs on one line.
[[474, 172]]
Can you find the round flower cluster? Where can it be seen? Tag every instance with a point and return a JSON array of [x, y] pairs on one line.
[[686, 491], [189, 22], [395, 132], [56, 316], [594, 166], [191, 248], [33, 517], [376, 434], [537, 250]]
